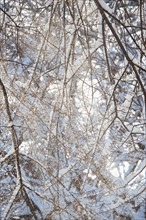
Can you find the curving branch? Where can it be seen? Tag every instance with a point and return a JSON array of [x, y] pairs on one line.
[[20, 185], [13, 133]]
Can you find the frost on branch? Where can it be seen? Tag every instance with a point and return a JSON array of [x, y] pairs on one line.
[[72, 109]]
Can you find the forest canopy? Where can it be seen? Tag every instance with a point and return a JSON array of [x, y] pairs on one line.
[[72, 109]]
